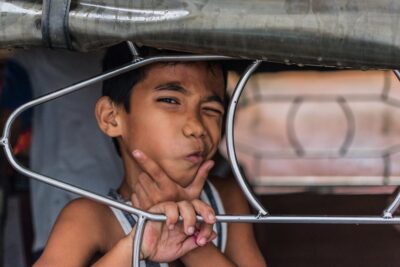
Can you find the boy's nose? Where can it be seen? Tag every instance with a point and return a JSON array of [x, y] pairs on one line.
[[194, 127]]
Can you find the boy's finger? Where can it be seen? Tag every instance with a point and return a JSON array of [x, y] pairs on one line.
[[135, 200], [172, 213], [206, 228], [194, 189], [147, 184], [144, 200], [188, 245], [204, 210], [170, 209], [188, 214], [150, 167], [205, 234]]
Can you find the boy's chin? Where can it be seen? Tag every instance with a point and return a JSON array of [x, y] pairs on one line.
[[184, 179]]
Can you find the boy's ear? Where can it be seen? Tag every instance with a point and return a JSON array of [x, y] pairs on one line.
[[107, 115]]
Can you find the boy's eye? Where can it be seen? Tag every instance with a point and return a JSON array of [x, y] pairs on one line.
[[168, 100], [213, 111]]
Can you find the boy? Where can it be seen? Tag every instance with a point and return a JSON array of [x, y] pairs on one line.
[[166, 120]]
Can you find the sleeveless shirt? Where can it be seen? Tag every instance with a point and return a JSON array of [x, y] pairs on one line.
[[209, 195]]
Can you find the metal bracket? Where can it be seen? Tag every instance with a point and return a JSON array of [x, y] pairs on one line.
[[55, 29], [260, 217]]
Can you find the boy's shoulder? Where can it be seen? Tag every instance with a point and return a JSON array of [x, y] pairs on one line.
[[84, 229], [87, 208], [231, 195], [94, 218]]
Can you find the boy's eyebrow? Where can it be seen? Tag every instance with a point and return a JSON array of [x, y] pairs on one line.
[[214, 98], [176, 86], [173, 86]]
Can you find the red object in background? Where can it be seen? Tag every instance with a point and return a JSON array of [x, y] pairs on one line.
[[23, 142]]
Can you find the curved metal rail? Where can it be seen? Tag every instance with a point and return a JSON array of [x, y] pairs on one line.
[[230, 120], [261, 217]]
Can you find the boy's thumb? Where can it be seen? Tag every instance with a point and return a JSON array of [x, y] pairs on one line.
[[189, 244], [198, 182]]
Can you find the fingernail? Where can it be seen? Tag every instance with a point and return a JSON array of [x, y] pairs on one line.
[[210, 165], [211, 217], [190, 230], [137, 153], [202, 241], [171, 226]]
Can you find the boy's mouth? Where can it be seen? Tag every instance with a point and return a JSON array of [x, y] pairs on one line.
[[196, 157]]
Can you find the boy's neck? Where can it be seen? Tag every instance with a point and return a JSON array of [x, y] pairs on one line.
[[131, 172]]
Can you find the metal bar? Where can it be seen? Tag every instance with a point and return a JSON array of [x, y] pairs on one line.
[[221, 218], [397, 73], [388, 212], [309, 219], [291, 129], [362, 34], [230, 139], [137, 242], [134, 51], [351, 125]]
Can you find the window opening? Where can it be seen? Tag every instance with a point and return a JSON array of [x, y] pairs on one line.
[[261, 217]]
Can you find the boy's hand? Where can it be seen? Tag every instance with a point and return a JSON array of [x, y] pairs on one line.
[[168, 241], [154, 186]]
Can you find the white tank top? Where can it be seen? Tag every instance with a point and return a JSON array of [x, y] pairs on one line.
[[209, 195]]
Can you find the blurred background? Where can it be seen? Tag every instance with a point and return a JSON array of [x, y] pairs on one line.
[[311, 141]]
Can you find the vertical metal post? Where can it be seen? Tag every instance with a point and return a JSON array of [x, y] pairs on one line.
[[388, 212], [397, 73], [134, 51], [230, 139], [137, 242]]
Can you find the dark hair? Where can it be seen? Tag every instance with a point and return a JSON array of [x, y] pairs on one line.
[[119, 88]]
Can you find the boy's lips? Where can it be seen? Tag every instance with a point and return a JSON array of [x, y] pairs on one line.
[[196, 157]]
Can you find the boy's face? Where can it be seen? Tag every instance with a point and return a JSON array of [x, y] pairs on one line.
[[176, 117]]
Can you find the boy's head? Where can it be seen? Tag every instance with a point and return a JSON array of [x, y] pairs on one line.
[[173, 112]]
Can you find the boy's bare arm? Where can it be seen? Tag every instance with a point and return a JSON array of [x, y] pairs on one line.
[[84, 229], [120, 254], [75, 236], [163, 242], [241, 246]]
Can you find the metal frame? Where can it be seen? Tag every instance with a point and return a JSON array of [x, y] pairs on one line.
[[261, 217]]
